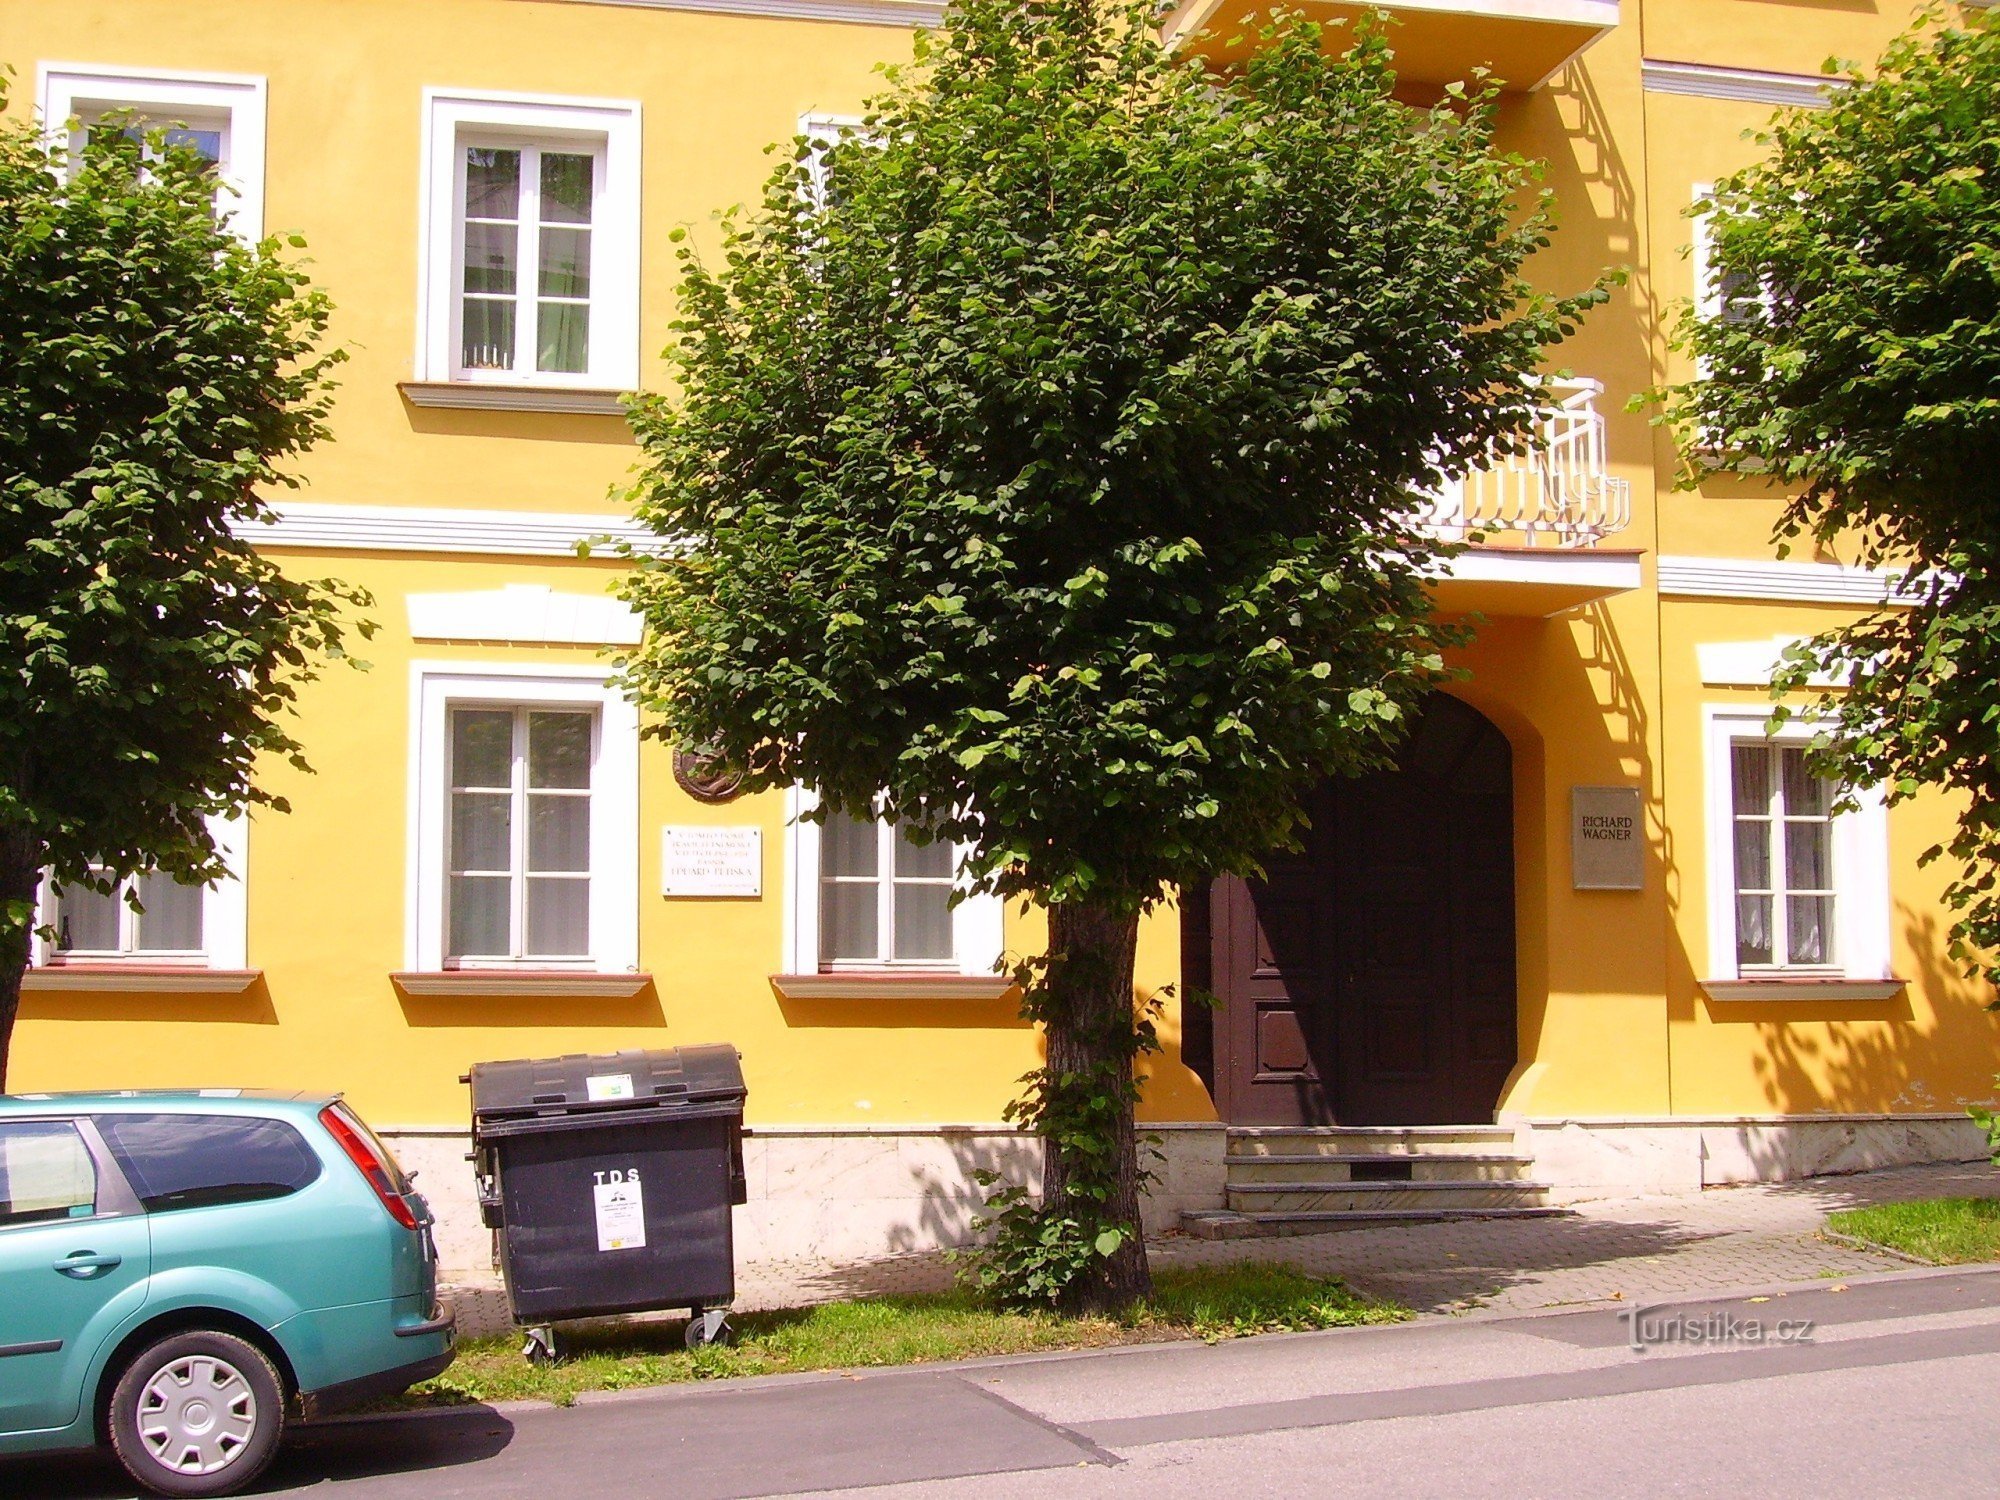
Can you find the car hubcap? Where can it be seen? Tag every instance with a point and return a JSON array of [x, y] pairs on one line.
[[197, 1414]]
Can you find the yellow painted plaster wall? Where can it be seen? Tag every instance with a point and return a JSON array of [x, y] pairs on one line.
[[1610, 1021], [327, 913]]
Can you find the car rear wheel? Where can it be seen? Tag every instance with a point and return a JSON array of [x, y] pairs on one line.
[[197, 1414]]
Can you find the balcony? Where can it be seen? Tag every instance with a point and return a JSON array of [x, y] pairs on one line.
[[1524, 43], [1538, 519]]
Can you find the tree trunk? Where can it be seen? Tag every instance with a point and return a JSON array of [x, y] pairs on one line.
[[20, 876], [1092, 1036]]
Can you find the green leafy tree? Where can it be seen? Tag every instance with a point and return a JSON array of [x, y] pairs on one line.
[[154, 371], [1042, 479], [1856, 362]]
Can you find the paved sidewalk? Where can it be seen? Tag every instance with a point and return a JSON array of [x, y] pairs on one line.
[[1627, 1249]]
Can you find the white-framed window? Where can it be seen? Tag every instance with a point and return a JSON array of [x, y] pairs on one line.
[[524, 801], [530, 243], [1725, 297], [219, 115], [193, 926], [822, 133], [1795, 889], [866, 897]]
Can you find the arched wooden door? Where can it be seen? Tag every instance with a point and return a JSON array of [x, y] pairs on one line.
[[1370, 979]]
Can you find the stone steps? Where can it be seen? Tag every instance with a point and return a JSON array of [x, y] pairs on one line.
[[1342, 1140], [1309, 1180], [1361, 1167], [1380, 1197]]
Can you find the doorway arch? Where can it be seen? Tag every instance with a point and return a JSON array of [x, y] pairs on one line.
[[1369, 979]]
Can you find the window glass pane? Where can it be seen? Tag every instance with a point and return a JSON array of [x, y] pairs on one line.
[[848, 846], [559, 833], [566, 183], [482, 831], [479, 916], [1805, 793], [559, 750], [1751, 769], [491, 251], [1753, 929], [492, 183], [562, 344], [1809, 923], [1753, 855], [171, 921], [45, 1173], [558, 917], [923, 922], [847, 926], [565, 263], [87, 922], [1808, 856], [482, 747], [489, 335], [913, 859], [204, 141], [191, 1161]]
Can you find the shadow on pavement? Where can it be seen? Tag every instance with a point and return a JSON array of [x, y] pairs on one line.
[[311, 1455]]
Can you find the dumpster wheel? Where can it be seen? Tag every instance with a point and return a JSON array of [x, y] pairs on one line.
[[708, 1327], [540, 1346]]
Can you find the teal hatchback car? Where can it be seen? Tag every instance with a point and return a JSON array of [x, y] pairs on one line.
[[182, 1271]]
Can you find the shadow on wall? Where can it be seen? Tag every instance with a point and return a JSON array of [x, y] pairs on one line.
[[947, 1194], [1879, 1052], [250, 1007], [539, 1012]]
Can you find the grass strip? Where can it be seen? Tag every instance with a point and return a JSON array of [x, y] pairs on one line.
[[1206, 1303], [1943, 1231]]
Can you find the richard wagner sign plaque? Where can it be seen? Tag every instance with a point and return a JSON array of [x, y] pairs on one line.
[[1607, 839]]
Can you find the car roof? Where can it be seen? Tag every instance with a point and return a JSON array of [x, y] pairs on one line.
[[168, 1101]]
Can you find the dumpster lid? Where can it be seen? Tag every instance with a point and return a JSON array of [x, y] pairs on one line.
[[606, 1081]]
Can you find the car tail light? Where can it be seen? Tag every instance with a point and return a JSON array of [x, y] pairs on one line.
[[364, 1156]]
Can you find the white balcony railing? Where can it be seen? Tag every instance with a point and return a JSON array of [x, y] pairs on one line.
[[1556, 492]]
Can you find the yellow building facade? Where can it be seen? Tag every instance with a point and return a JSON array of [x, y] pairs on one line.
[[1600, 913]]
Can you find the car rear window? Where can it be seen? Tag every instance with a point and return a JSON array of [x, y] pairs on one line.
[[194, 1161]]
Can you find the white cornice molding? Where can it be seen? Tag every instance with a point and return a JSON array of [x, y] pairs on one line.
[[523, 983], [1786, 582], [530, 614], [1750, 663], [399, 528], [1743, 85], [876, 986], [859, 12], [137, 979], [467, 395], [1612, 571]]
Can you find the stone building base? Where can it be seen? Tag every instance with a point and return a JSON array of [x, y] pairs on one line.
[[1598, 1158], [835, 1193], [844, 1193]]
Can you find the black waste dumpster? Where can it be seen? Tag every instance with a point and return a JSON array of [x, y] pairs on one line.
[[610, 1179]]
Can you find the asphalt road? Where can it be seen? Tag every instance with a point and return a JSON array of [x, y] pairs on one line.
[[1890, 1393]]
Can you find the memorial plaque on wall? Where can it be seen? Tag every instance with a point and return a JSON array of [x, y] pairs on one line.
[[1607, 840], [698, 860]]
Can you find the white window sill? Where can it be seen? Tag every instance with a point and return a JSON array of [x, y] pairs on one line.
[[137, 978], [472, 395], [1807, 989], [878, 984], [515, 982]]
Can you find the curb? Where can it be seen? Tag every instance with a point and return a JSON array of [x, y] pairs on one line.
[[694, 1390]]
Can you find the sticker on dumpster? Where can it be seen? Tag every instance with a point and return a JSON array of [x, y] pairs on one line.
[[609, 1086], [621, 1211]]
